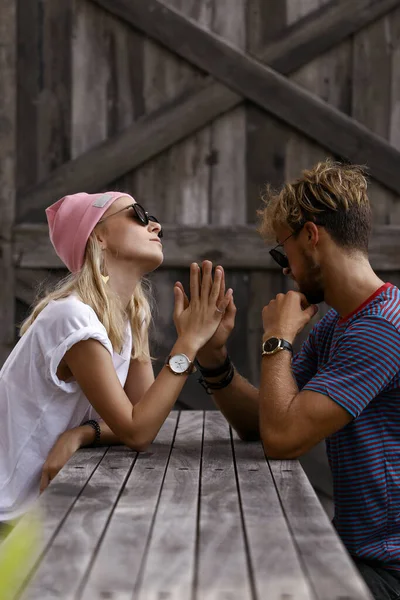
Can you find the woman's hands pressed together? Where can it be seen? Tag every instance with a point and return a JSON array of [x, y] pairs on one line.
[[198, 320]]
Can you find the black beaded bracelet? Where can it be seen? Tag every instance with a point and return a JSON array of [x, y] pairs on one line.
[[218, 370], [217, 385], [94, 424]]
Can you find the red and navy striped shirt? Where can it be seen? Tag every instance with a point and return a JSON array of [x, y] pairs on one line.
[[356, 362]]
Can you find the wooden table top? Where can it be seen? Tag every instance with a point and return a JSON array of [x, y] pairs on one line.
[[201, 515]]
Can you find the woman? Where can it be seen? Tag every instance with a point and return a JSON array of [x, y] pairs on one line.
[[84, 351]]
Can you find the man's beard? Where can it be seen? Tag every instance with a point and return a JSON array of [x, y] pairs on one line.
[[311, 285]]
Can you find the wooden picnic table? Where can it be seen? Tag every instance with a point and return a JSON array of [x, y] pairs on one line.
[[201, 515]]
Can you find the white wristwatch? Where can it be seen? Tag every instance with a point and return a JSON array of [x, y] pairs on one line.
[[180, 364]]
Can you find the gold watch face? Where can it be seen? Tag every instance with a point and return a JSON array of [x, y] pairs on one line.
[[271, 345], [179, 363]]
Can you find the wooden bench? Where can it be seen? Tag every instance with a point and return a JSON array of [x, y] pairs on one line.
[[202, 515]]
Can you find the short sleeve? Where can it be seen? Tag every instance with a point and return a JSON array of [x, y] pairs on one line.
[[66, 323], [364, 363], [305, 362]]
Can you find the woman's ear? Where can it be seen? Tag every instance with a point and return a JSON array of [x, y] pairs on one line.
[[100, 240]]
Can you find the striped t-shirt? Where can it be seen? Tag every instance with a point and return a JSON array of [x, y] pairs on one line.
[[356, 362]]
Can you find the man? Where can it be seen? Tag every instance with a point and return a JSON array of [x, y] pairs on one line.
[[344, 384]]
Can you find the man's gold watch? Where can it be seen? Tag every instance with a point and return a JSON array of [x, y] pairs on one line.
[[273, 345]]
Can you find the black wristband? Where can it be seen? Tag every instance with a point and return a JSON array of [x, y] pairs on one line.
[[94, 424], [217, 371], [217, 385]]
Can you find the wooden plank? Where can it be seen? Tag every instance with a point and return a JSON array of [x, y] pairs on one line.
[[28, 90], [395, 91], [264, 286], [239, 281], [177, 181], [82, 530], [265, 160], [321, 78], [44, 84], [55, 504], [278, 572], [139, 143], [131, 148], [54, 99], [8, 127], [220, 523], [330, 569], [118, 560], [125, 80], [334, 22], [170, 560], [228, 133], [233, 247], [106, 85], [90, 78], [297, 107], [394, 130], [371, 92]]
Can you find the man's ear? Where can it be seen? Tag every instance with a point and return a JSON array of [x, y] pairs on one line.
[[312, 233]]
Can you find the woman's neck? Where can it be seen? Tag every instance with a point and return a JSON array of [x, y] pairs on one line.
[[123, 282]]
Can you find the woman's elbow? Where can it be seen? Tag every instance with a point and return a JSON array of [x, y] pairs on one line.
[[139, 443]]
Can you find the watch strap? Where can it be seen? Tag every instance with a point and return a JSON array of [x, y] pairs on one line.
[[285, 345]]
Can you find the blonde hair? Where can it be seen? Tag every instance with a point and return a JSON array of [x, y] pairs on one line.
[[90, 287], [331, 194]]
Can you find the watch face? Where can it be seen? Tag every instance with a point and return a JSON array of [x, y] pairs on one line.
[[271, 344], [179, 363]]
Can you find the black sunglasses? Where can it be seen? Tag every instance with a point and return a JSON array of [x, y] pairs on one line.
[[143, 216], [140, 214], [280, 257]]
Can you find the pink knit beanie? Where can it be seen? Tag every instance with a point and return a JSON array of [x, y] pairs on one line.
[[71, 221]]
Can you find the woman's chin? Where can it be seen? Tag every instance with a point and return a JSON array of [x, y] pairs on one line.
[[155, 262]]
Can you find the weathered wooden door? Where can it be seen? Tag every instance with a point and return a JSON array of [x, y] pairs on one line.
[[192, 106]]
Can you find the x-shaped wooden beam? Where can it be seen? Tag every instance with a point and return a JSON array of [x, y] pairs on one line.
[[251, 78], [254, 81]]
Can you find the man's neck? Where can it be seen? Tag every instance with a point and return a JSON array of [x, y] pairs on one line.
[[348, 283]]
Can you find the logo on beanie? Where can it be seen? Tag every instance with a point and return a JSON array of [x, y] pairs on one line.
[[102, 200]]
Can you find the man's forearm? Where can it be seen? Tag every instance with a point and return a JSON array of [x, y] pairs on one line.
[[238, 402], [278, 389]]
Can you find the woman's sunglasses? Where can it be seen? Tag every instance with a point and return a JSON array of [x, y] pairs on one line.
[[140, 214]]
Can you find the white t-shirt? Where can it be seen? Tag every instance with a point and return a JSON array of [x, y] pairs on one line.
[[35, 405]]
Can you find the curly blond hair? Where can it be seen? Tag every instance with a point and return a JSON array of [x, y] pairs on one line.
[[331, 194]]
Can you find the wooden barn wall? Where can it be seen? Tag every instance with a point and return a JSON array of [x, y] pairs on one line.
[[84, 76]]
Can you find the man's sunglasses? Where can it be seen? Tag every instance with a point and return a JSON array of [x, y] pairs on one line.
[[279, 256], [140, 214]]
